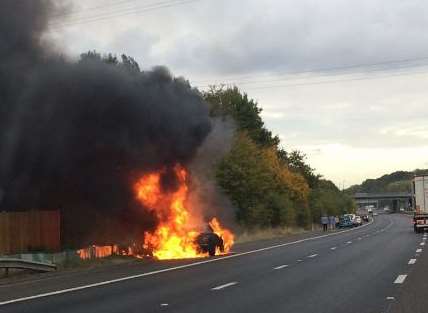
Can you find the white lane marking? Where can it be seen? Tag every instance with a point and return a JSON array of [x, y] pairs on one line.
[[333, 248], [400, 279], [280, 267], [224, 286], [312, 256], [412, 261], [299, 260], [390, 298], [169, 269], [164, 304], [418, 250], [359, 238], [422, 243], [348, 242]]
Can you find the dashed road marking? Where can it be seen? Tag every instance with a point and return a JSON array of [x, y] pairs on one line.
[[412, 261], [312, 255], [390, 298], [418, 250], [164, 304], [225, 285], [400, 279], [359, 238], [280, 267], [333, 248], [348, 242], [299, 260], [422, 243]]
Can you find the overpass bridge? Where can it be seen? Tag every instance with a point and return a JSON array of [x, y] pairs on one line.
[[396, 199]]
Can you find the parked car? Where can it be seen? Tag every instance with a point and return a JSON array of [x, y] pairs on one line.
[[357, 221], [351, 216], [345, 221]]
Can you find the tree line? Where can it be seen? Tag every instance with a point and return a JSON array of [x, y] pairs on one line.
[[399, 181], [269, 187]]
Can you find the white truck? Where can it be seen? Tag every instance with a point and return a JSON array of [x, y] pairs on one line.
[[420, 203]]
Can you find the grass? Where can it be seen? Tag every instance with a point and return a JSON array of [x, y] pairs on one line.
[[270, 233]]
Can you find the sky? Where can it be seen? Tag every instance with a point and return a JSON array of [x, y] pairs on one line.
[[342, 81]]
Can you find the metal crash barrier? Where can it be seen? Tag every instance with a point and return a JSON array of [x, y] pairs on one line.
[[6, 264]]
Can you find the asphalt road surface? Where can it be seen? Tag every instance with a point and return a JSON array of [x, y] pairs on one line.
[[361, 270]]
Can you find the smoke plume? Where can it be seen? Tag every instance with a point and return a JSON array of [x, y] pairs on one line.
[[75, 135], [206, 198]]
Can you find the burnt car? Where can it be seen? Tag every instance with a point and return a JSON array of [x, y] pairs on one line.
[[209, 242]]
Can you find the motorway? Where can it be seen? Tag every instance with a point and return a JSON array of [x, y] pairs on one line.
[[361, 270]]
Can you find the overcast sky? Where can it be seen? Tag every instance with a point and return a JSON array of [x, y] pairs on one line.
[[301, 60]]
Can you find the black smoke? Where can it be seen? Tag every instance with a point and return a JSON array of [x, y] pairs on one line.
[[76, 135]]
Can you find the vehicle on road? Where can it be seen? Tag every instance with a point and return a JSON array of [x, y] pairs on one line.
[[345, 221], [209, 242], [351, 216], [364, 213], [420, 202], [357, 221]]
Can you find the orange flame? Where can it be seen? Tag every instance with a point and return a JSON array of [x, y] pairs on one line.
[[225, 234], [172, 239], [97, 252]]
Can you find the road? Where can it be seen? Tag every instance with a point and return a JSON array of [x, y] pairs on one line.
[[361, 270]]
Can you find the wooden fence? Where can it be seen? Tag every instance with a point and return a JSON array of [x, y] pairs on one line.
[[29, 231]]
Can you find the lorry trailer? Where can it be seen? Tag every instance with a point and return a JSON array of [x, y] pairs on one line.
[[420, 203]]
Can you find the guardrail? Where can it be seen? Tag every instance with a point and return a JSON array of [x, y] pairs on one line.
[[7, 263]]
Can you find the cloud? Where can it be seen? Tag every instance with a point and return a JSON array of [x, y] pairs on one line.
[[274, 115], [416, 131], [222, 40], [352, 165], [228, 37]]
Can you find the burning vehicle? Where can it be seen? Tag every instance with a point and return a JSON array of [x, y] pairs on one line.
[[210, 243], [176, 235]]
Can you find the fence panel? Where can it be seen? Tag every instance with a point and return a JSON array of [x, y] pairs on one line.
[[29, 231]]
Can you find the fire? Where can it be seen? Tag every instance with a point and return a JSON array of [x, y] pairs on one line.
[[174, 238], [225, 234], [176, 235], [97, 252]]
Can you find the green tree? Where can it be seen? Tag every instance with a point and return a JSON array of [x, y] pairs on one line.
[[265, 191], [126, 63], [296, 160], [245, 111], [326, 198]]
